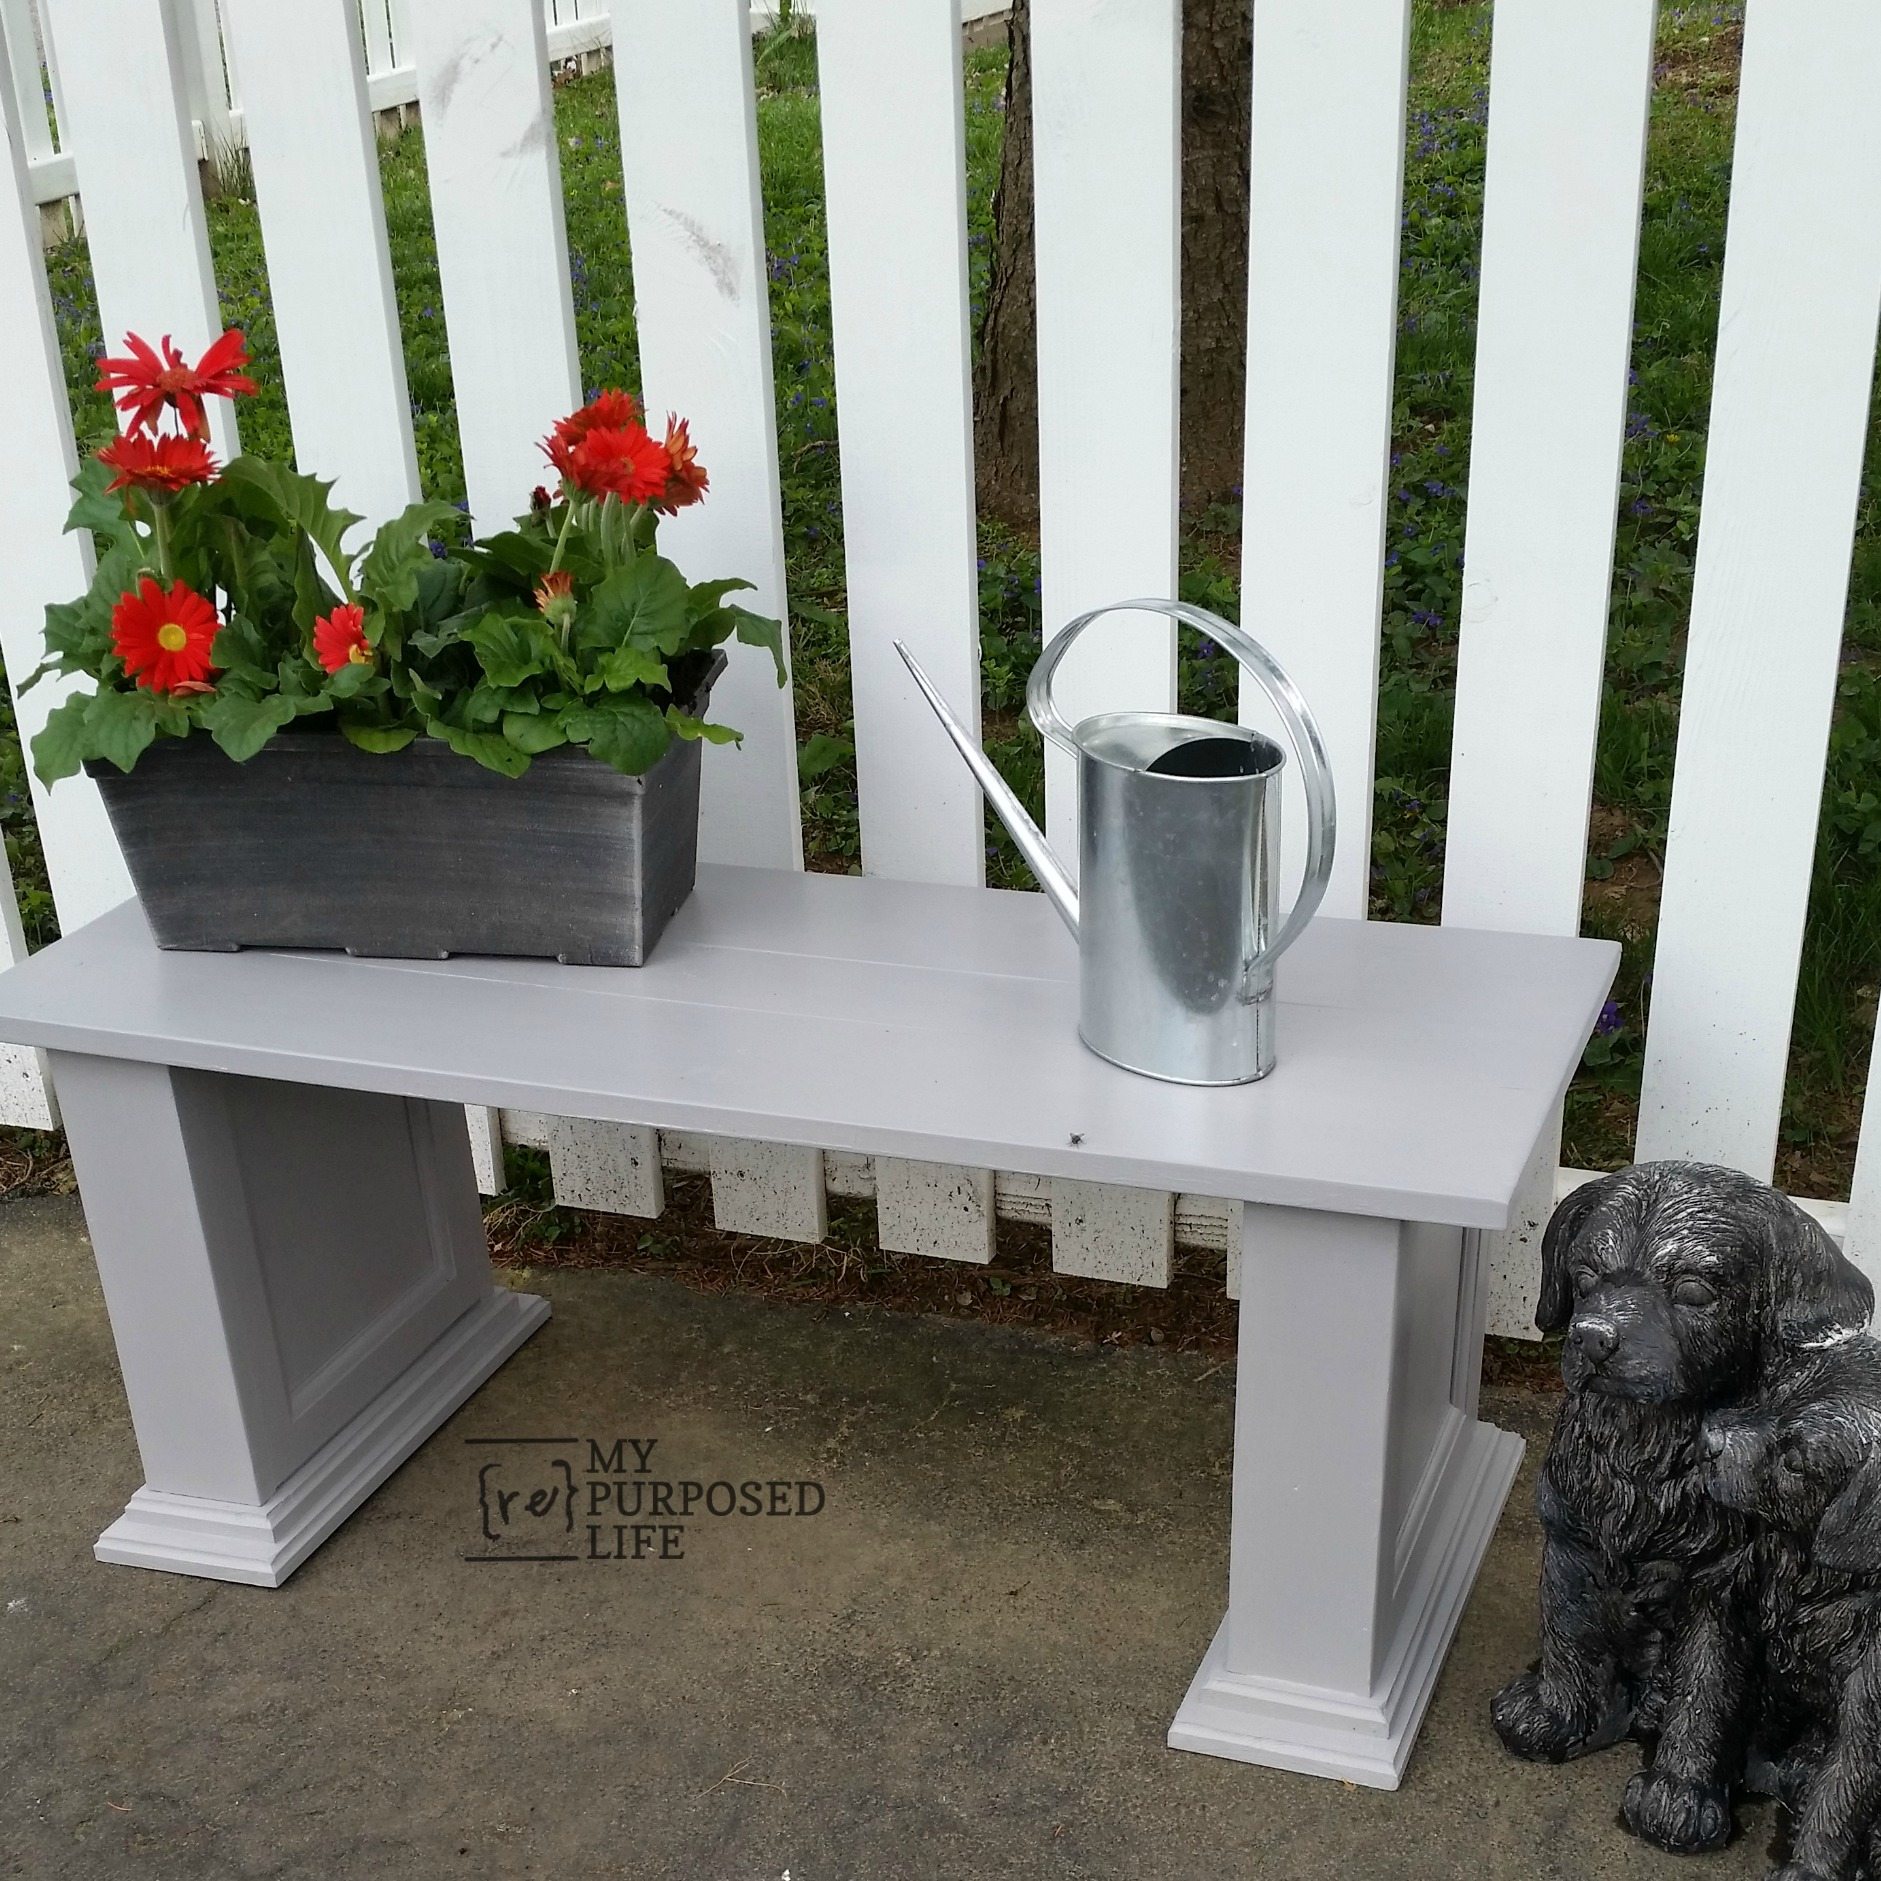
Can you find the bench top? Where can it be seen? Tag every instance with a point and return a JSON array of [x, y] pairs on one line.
[[1417, 1065]]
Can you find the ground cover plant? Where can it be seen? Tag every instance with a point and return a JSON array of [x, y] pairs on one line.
[[1681, 258]]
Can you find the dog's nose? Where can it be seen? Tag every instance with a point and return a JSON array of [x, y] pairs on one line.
[[1594, 1339], [1711, 1442]]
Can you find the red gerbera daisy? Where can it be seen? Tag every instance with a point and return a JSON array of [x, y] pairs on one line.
[[150, 379], [164, 639], [686, 481], [626, 463], [157, 463], [606, 411], [340, 638]]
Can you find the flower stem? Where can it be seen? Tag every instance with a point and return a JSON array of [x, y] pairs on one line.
[[561, 541], [160, 529]]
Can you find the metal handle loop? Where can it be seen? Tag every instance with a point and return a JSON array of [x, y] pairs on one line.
[[1267, 673]]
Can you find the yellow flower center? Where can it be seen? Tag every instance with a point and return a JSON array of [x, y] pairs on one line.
[[172, 638], [357, 655]]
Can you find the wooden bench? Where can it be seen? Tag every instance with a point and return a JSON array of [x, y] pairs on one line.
[[278, 1183]]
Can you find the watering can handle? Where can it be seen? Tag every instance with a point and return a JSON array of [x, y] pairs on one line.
[[1267, 673]]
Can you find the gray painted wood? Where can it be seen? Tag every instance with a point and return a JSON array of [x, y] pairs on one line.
[[278, 1260], [1365, 1492], [1417, 1066]]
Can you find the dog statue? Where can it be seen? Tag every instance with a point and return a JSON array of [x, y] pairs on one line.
[[1803, 1460], [1681, 1287]]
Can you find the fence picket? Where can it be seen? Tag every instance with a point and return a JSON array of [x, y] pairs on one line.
[[1568, 95], [127, 125], [1109, 341], [496, 204], [1323, 206], [17, 43], [895, 179], [38, 460], [316, 166], [378, 30], [1789, 418], [695, 219], [1862, 1237]]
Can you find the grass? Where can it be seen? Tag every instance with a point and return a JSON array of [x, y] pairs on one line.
[[1681, 254]]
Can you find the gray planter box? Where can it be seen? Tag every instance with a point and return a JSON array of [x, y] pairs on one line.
[[413, 854]]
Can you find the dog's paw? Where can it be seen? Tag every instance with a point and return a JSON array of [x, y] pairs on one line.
[[1790, 1872], [1531, 1727], [1676, 1814]]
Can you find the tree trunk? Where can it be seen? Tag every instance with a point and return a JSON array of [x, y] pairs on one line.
[[1217, 60]]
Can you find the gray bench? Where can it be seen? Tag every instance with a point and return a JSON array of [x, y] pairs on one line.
[[278, 1183]]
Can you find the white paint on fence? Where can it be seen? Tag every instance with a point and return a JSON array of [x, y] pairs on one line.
[[1109, 343], [939, 1209], [895, 178], [772, 1189], [1323, 207], [316, 165], [1789, 421], [131, 135], [1569, 88], [702, 312], [610, 1166], [1106, 1233], [1568, 95], [496, 204], [38, 460], [1863, 1238]]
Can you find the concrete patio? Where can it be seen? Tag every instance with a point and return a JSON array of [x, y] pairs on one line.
[[963, 1666]]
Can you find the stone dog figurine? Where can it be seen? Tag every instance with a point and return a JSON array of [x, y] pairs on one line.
[[1803, 1460], [1681, 1288]]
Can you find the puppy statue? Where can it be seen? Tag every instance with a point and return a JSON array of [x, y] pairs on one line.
[[1680, 1287], [1803, 1459]]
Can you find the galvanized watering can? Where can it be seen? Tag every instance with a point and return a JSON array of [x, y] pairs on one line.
[[1178, 833]]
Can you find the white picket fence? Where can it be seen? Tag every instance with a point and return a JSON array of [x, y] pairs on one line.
[[1568, 106]]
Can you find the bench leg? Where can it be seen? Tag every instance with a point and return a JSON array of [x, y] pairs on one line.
[[1365, 1493], [300, 1292]]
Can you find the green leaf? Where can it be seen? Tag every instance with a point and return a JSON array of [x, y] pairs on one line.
[[689, 727], [92, 509], [241, 726], [754, 630], [305, 503], [350, 680], [631, 666], [819, 753], [390, 569], [491, 749], [533, 731], [510, 650], [707, 595], [644, 602], [121, 725], [63, 743], [378, 737], [626, 730]]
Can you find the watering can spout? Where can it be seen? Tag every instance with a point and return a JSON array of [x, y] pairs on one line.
[[1011, 812]]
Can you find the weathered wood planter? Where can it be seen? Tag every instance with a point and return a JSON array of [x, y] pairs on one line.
[[413, 854]]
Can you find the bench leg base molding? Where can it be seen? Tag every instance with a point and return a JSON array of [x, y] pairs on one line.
[[1365, 1493], [260, 1545], [1359, 1740]]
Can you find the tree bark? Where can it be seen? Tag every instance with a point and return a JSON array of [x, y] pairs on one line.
[[1217, 61]]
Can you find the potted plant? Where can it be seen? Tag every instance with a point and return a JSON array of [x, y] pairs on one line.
[[417, 747]]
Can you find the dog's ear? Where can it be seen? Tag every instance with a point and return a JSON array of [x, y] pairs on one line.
[[1848, 1538], [1816, 1291], [1556, 1305]]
